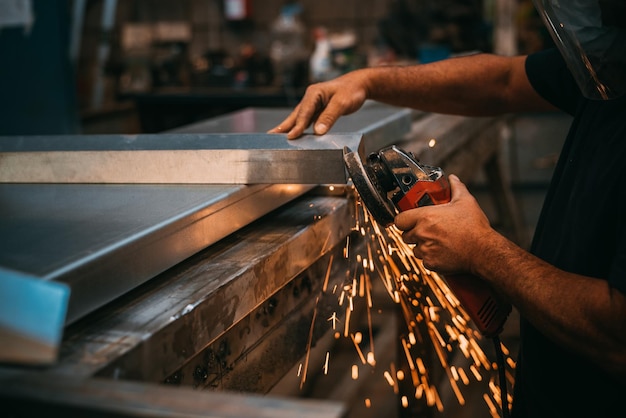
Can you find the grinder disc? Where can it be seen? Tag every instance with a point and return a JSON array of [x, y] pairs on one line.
[[371, 195]]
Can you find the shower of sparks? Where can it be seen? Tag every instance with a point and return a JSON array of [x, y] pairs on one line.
[[432, 314]]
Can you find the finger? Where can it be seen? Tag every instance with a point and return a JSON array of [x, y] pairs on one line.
[[279, 129], [301, 123], [428, 266], [329, 115], [457, 186], [287, 124], [305, 115], [411, 238], [405, 221], [325, 121], [418, 253]]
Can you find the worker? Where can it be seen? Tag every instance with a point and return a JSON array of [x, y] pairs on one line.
[[570, 289]]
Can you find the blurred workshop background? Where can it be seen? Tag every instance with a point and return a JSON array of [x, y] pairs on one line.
[[108, 66]]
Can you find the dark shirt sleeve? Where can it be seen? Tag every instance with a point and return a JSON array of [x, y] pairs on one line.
[[549, 76]]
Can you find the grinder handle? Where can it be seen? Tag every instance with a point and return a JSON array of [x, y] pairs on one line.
[[486, 308]]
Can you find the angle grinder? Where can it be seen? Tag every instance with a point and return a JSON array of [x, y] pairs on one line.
[[392, 181]]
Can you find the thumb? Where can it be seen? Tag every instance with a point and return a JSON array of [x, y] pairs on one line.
[[458, 188], [327, 119]]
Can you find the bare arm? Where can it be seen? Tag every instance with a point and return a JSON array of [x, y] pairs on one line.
[[581, 313], [477, 85]]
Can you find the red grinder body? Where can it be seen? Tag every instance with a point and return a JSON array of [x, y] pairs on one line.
[[392, 181]]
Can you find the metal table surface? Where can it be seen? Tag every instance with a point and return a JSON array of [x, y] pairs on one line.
[[368, 120], [103, 240]]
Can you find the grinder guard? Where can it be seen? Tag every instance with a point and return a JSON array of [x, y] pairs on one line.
[[386, 182]]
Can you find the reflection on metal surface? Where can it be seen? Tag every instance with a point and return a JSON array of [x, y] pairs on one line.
[[258, 350]]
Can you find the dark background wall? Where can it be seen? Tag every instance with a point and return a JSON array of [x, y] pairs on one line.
[[37, 83]]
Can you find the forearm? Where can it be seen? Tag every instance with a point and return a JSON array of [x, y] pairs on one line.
[[578, 312], [478, 85]]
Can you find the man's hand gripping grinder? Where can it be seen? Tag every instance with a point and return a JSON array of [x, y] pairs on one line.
[[391, 181]]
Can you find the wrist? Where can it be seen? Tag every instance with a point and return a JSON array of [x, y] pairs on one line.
[[490, 254], [366, 79]]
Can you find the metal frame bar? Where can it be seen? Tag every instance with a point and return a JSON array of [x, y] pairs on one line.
[[175, 159]]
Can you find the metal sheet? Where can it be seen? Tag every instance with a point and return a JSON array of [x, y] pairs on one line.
[[173, 316], [174, 159], [103, 240], [202, 158]]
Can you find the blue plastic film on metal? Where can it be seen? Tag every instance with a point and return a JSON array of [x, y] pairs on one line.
[[33, 307]]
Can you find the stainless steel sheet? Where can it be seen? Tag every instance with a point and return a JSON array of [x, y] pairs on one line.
[[174, 159], [203, 153], [103, 240]]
